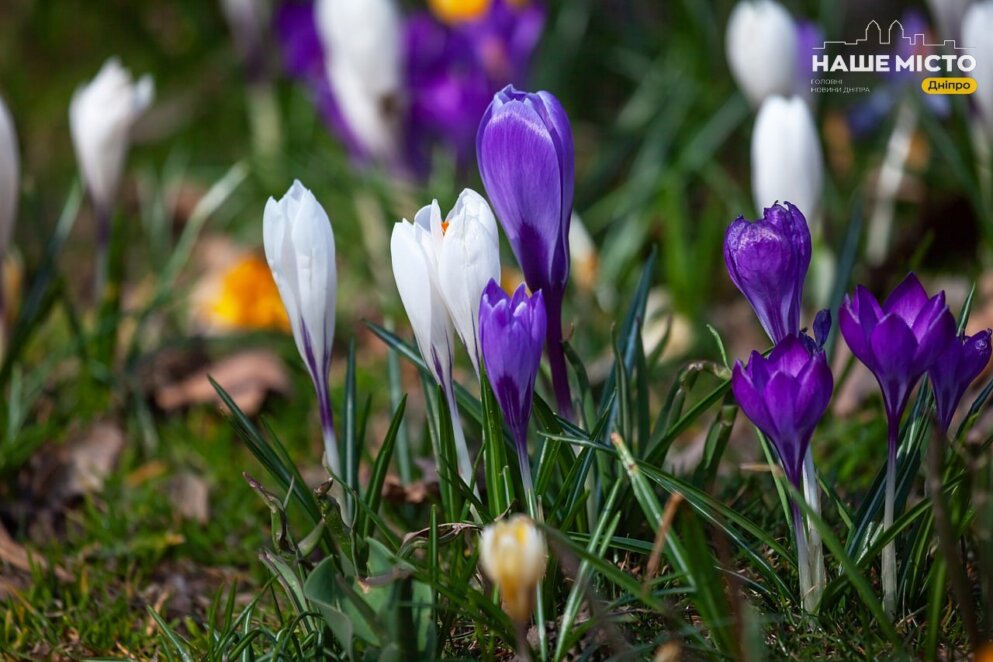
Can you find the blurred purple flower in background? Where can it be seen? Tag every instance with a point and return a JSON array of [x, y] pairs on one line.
[[450, 70], [768, 261], [511, 333], [527, 162], [961, 362]]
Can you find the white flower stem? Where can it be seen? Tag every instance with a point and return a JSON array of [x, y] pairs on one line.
[[815, 547], [461, 448], [889, 551], [803, 560]]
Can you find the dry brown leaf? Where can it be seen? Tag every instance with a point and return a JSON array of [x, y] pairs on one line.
[[80, 466], [189, 496], [248, 377], [16, 555]]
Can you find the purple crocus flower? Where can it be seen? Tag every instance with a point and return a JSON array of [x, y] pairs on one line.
[[511, 332], [527, 162], [960, 363], [785, 396], [768, 260], [898, 341]]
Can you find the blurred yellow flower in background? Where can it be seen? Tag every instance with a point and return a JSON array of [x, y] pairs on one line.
[[247, 297], [459, 11]]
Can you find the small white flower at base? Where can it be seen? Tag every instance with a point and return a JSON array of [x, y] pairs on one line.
[[513, 555], [787, 162], [101, 115], [761, 47]]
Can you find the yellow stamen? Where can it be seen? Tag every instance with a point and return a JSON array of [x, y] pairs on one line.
[[444, 227], [459, 11]]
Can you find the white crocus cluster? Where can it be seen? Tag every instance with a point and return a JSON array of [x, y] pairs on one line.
[[787, 162], [761, 45], [101, 115], [362, 44], [299, 247], [513, 554], [441, 268]]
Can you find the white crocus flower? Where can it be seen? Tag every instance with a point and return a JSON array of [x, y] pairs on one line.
[[101, 115], [299, 246], [948, 14], [761, 49], [513, 555], [362, 43], [468, 258], [413, 250], [10, 173], [977, 26], [787, 163]]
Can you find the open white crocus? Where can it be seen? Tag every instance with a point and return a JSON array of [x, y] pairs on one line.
[[101, 115], [761, 47], [362, 42], [299, 247], [787, 162], [977, 26], [413, 251], [468, 248], [513, 554]]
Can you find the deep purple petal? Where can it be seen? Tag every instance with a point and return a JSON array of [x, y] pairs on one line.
[[893, 347], [907, 300]]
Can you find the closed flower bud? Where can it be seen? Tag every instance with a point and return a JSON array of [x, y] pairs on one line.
[[468, 258], [101, 115], [299, 247], [527, 162], [362, 45], [513, 555], [787, 163], [977, 26], [960, 363], [761, 45], [768, 261], [10, 173]]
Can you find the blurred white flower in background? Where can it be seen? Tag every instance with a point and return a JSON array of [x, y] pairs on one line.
[[761, 45], [101, 115], [977, 34], [10, 176], [787, 162], [513, 554], [362, 42]]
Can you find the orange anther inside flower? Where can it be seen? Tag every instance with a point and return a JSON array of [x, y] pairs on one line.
[[444, 227], [458, 11]]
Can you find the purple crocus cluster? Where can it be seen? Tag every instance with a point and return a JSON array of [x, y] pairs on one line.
[[450, 73], [785, 394]]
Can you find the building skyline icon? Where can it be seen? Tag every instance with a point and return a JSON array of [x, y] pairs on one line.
[[895, 33]]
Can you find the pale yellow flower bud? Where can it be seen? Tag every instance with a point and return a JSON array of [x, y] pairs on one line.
[[513, 555]]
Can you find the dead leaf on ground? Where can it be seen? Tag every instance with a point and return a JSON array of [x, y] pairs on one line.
[[17, 556], [78, 467], [190, 497], [247, 376]]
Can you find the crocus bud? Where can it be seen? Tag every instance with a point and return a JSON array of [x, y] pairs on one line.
[[513, 555], [299, 246], [977, 26], [10, 173], [761, 48], [960, 363], [468, 259], [362, 45], [787, 163], [768, 260], [898, 341], [527, 162], [511, 331], [101, 115], [785, 395]]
